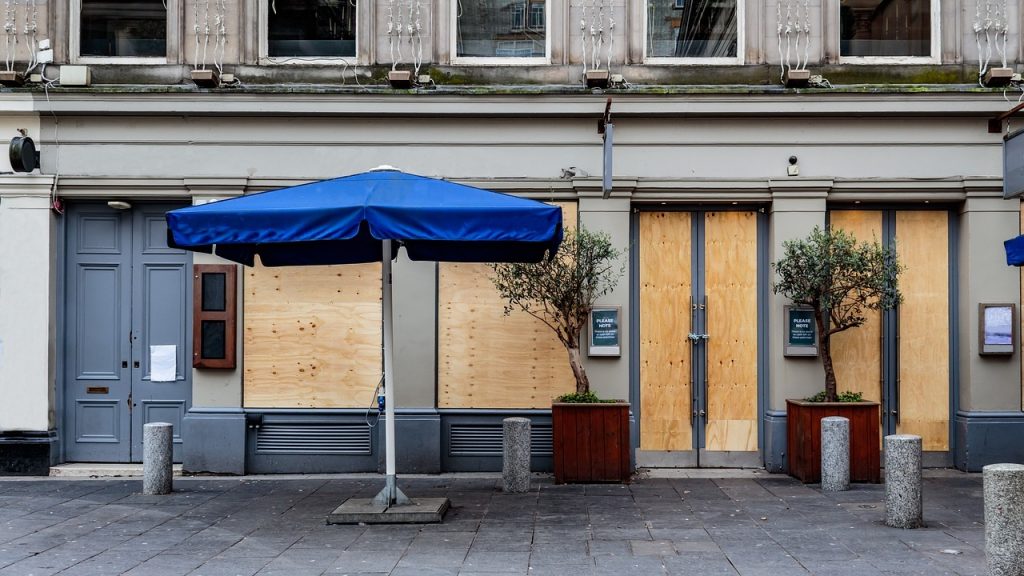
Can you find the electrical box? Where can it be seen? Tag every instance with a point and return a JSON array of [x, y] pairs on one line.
[[74, 75]]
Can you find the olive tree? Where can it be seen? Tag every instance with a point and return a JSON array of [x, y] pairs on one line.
[[840, 279], [560, 290]]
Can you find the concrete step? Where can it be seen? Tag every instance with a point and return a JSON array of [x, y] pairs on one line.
[[88, 470]]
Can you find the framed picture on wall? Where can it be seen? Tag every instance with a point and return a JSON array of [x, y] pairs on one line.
[[997, 328]]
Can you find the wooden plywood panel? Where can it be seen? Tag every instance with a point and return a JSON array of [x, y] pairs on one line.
[[857, 352], [730, 248], [665, 320], [922, 240], [312, 336], [487, 359]]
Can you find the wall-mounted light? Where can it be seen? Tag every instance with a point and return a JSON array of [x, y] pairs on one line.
[[793, 169], [23, 154], [119, 204]]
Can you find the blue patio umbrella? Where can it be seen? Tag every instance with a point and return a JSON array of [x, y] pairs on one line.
[[366, 218]]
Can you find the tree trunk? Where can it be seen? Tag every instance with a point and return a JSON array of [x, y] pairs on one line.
[[826, 356], [582, 383]]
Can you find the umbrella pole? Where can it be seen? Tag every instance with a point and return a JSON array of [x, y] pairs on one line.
[[390, 495]]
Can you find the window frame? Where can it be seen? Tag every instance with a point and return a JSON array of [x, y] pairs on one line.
[[936, 43], [265, 59], [741, 43], [229, 315], [500, 60], [75, 39]]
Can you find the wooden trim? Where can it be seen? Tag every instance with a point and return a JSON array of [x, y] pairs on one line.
[[229, 315]]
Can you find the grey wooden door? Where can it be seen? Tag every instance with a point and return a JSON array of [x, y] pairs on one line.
[[125, 292]]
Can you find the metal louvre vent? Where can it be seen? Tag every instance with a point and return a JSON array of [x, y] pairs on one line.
[[486, 440], [313, 438]]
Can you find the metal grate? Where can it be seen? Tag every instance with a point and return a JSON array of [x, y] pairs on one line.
[[313, 438], [486, 440]]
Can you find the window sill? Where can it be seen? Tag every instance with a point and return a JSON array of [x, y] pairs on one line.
[[888, 60], [657, 61], [117, 60], [477, 61]]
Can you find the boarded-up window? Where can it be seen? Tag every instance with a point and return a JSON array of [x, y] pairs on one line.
[[487, 359], [312, 336]]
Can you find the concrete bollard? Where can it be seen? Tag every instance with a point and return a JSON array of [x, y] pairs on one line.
[[515, 467], [835, 454], [157, 449], [1004, 518], [903, 496]]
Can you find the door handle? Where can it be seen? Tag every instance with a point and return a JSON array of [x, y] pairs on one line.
[[124, 363], [135, 364]]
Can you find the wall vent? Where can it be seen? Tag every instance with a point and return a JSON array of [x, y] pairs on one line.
[[485, 440], [313, 438]]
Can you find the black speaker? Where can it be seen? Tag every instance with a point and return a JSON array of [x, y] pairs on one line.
[[24, 157]]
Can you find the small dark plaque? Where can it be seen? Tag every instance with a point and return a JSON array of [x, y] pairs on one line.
[[97, 390], [604, 331], [801, 338]]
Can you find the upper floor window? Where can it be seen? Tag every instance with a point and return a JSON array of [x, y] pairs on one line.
[[510, 29], [898, 29], [122, 28], [707, 31], [310, 29]]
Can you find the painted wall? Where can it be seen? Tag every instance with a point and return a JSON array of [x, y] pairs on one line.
[[28, 316], [987, 382]]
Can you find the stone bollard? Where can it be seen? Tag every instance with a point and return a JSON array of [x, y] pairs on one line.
[[835, 454], [1004, 518], [156, 458], [515, 467], [903, 497]]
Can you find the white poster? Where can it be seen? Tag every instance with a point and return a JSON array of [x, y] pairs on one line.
[[163, 363]]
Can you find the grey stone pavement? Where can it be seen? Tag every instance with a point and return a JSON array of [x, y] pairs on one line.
[[216, 526]]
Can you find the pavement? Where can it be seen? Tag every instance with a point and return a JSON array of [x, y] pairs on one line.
[[729, 522]]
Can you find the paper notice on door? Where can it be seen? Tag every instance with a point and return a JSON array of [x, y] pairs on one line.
[[163, 363]]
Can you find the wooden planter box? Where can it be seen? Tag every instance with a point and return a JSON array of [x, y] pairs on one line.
[[591, 442], [803, 438]]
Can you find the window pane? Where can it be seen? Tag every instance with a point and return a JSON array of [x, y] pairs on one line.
[[885, 28], [124, 28], [502, 29], [311, 28], [214, 341], [691, 28], [214, 298]]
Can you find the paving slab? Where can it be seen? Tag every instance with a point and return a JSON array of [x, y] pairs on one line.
[[694, 522]]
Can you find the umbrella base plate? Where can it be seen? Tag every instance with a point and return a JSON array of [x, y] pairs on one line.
[[366, 511]]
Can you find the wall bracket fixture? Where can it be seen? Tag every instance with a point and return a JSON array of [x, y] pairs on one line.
[[206, 78]]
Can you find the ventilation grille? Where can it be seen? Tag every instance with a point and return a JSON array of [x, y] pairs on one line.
[[486, 440], [313, 438]]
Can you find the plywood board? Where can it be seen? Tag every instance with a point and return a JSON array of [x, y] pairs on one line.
[[665, 320], [730, 248], [312, 336], [487, 359], [857, 352], [922, 240]]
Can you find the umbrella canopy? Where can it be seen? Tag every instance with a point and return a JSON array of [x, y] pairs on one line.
[[365, 218], [344, 220]]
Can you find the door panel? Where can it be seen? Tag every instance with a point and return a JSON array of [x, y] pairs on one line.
[[665, 320], [731, 321], [125, 291], [162, 316], [97, 418], [857, 353], [698, 337], [915, 394], [922, 240]]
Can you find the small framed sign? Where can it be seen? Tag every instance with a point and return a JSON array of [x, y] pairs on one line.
[[997, 329], [604, 331], [801, 332]]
